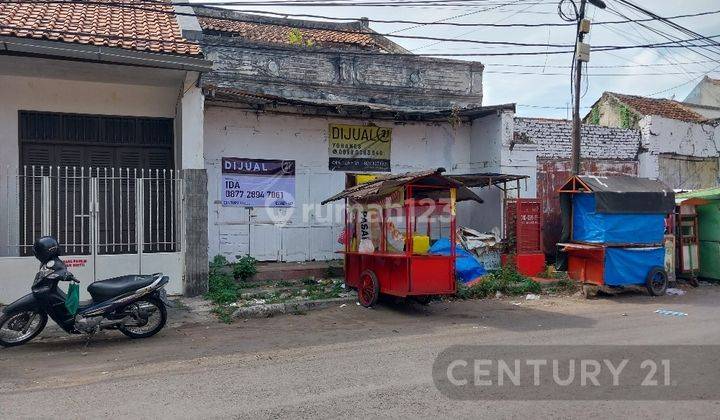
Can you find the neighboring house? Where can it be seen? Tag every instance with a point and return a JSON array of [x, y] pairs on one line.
[[679, 145], [101, 141], [604, 150], [279, 86], [706, 93]]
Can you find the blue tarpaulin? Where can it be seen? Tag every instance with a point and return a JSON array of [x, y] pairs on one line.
[[468, 269], [606, 228], [625, 266]]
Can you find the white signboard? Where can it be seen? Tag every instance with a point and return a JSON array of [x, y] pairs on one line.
[[258, 182]]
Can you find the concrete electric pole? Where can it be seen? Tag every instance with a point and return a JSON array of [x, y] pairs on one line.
[[582, 55]]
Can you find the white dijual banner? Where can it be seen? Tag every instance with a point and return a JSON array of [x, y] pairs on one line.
[[258, 182]]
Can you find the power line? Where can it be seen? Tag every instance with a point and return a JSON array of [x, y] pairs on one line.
[[667, 21], [454, 17], [594, 74], [338, 30], [474, 30], [669, 44], [635, 65], [441, 22]]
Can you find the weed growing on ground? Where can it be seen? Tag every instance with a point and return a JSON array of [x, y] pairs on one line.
[[506, 281], [222, 288], [244, 267]]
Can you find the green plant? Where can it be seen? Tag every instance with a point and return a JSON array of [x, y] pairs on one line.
[[222, 288], [506, 280], [594, 116], [627, 117], [295, 37], [224, 313], [244, 268]]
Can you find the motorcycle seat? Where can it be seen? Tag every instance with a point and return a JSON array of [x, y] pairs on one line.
[[107, 289]]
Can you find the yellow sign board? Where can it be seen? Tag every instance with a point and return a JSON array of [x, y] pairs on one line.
[[359, 147]]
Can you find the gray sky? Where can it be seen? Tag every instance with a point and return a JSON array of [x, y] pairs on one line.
[[675, 71]]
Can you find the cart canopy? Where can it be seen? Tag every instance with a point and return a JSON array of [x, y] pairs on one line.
[[385, 185], [623, 194]]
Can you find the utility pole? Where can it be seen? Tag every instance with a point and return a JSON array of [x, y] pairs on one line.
[[582, 55]]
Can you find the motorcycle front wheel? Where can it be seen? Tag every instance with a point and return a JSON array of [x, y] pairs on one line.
[[18, 328], [150, 315]]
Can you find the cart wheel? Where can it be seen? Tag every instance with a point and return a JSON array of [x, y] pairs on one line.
[[657, 281], [423, 300], [589, 291], [369, 289]]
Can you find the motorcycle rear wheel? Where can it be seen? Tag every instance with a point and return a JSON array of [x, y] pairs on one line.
[[8, 323], [154, 325]]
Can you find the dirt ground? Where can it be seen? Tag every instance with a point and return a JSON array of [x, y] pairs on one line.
[[343, 361]]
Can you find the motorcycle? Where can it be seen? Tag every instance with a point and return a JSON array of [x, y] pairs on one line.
[[136, 305]]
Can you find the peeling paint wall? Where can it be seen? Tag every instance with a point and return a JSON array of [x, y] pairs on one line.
[[311, 234], [681, 154]]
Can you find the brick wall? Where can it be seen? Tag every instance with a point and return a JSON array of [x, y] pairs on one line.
[[554, 139]]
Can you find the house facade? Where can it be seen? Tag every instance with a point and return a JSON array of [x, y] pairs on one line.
[[101, 141], [279, 91]]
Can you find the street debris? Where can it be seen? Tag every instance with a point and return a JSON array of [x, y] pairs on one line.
[[516, 303], [498, 294], [343, 305], [674, 291], [667, 312], [532, 296], [623, 314]]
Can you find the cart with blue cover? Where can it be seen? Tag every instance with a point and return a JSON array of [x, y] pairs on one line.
[[613, 231]]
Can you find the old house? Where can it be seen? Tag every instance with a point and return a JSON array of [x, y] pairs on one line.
[[100, 138], [283, 92], [679, 144]]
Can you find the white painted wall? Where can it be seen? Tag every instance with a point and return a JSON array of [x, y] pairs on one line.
[[236, 133], [664, 136]]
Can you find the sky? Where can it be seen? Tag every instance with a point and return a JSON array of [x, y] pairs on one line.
[[545, 90]]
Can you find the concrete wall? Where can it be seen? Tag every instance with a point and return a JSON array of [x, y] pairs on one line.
[[707, 92], [233, 132], [414, 82], [682, 154]]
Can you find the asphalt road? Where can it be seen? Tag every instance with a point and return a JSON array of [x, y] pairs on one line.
[[347, 361]]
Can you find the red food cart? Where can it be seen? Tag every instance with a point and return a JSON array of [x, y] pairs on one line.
[[390, 223]]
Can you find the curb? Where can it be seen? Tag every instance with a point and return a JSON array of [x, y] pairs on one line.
[[272, 309]]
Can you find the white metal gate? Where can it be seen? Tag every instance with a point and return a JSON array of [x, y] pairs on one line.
[[108, 221]]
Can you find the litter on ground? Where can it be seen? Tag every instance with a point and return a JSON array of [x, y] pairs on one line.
[[532, 296], [674, 291], [667, 312]]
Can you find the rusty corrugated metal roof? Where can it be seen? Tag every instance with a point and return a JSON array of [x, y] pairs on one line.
[[385, 185]]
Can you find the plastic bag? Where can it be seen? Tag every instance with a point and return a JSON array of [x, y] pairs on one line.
[[72, 300]]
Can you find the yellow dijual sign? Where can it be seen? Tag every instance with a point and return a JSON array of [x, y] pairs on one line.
[[359, 148]]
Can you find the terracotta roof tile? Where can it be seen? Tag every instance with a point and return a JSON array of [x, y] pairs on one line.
[[281, 34], [661, 107], [98, 24]]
